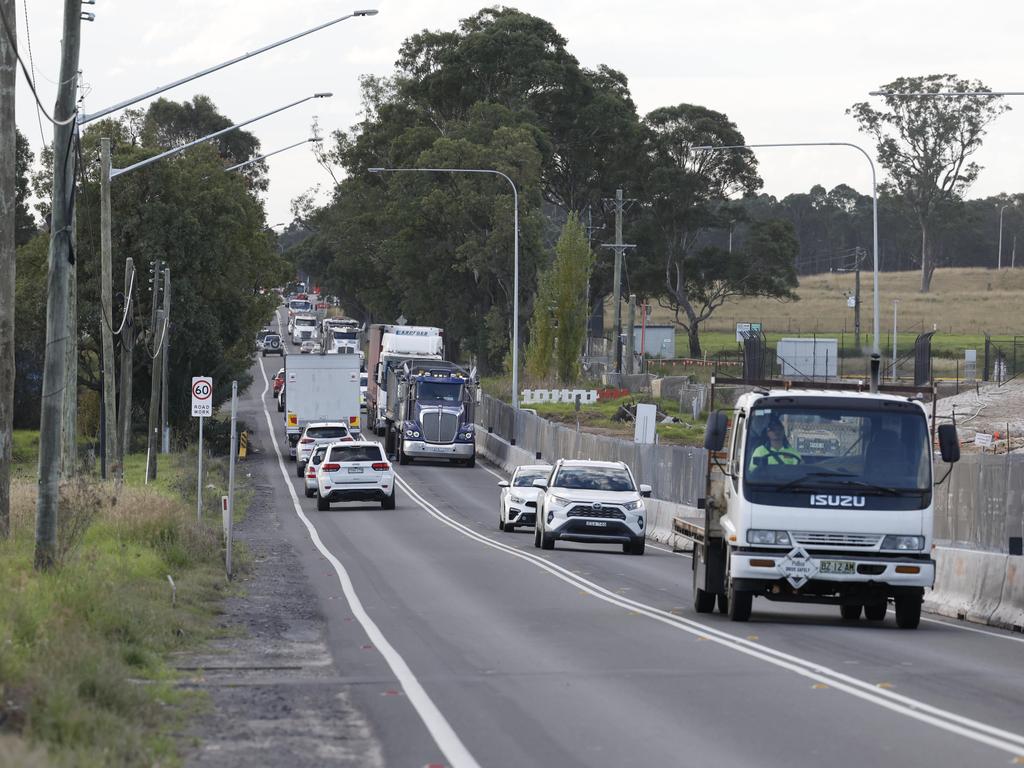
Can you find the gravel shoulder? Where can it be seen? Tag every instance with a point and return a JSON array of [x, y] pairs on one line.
[[275, 694]]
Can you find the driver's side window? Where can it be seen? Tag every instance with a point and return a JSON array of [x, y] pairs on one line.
[[737, 448]]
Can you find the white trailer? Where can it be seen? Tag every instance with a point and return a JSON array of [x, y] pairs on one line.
[[320, 388]]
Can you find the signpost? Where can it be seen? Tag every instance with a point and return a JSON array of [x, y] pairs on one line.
[[232, 457], [202, 406]]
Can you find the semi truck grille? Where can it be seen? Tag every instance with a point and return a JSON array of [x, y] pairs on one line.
[[587, 510], [439, 427], [817, 539]]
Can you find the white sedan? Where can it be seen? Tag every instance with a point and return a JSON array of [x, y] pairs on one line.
[[355, 471], [315, 460], [517, 504]]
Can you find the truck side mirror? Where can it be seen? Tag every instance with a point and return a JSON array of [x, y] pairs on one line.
[[714, 432], [949, 443]]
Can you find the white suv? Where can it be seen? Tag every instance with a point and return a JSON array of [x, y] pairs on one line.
[[317, 433], [355, 471], [593, 502], [517, 504]]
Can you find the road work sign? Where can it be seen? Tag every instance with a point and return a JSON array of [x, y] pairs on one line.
[[202, 396]]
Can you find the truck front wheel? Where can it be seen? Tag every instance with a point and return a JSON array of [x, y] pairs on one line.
[[908, 611], [740, 603]]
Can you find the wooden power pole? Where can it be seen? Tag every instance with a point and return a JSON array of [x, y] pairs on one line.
[[55, 374], [124, 424], [109, 414], [8, 206]]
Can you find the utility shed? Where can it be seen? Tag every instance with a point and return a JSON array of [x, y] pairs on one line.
[[659, 340], [808, 358]]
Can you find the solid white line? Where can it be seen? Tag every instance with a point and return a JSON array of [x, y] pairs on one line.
[[443, 734], [948, 721], [670, 551]]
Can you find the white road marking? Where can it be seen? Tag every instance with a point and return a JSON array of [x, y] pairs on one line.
[[951, 722], [442, 732]]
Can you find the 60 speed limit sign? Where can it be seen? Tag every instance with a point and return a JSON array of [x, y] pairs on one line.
[[202, 396]]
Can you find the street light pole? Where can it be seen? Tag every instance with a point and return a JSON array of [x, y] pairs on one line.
[[895, 335], [876, 354], [270, 154], [88, 118], [515, 268]]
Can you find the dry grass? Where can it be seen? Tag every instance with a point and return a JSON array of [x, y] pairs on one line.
[[961, 301]]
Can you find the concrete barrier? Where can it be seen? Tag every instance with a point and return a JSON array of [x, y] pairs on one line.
[[981, 587], [659, 511]]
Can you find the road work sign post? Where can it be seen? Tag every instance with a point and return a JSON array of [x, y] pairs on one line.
[[202, 406]]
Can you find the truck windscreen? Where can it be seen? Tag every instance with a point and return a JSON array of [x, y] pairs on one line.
[[864, 451], [438, 392]]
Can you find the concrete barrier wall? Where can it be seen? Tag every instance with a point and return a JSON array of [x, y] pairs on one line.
[[983, 587]]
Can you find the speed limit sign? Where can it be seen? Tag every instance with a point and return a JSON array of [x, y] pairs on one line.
[[202, 396]]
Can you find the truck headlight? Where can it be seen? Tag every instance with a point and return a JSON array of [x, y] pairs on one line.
[[905, 543], [762, 537]]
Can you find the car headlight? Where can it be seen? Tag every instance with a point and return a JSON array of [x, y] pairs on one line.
[[905, 543], [634, 505], [762, 537], [555, 502], [517, 499]]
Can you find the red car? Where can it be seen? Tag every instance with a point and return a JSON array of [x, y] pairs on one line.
[[278, 382]]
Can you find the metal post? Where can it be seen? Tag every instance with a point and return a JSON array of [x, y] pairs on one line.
[[617, 284], [55, 377], [231, 474], [165, 433], [856, 304], [124, 425], [631, 319], [199, 476], [895, 335], [154, 398], [108, 414], [999, 259]]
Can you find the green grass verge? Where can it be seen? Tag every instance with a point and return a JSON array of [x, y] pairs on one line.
[[84, 648], [598, 417]]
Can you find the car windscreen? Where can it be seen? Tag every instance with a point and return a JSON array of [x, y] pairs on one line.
[[300, 305], [357, 453], [305, 321], [593, 479], [876, 449], [326, 433], [525, 478], [446, 393]]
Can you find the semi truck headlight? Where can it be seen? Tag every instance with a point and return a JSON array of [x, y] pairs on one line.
[[906, 543], [762, 537]]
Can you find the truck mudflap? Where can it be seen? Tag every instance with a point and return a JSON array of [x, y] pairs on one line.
[[797, 567]]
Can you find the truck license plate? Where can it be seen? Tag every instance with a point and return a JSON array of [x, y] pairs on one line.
[[836, 566], [597, 523], [439, 448]]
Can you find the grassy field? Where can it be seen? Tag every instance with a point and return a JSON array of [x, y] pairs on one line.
[[962, 306], [84, 672]]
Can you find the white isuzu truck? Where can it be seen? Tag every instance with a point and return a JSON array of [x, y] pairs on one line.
[[320, 388], [818, 495]]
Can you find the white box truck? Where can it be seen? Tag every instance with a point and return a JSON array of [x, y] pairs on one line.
[[320, 388], [819, 495]]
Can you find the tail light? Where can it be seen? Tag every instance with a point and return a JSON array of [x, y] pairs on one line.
[[381, 466], [311, 473], [331, 467]]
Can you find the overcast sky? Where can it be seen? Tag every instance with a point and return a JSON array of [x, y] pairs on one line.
[[783, 71]]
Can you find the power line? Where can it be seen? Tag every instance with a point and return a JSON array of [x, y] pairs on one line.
[[31, 61], [28, 77]]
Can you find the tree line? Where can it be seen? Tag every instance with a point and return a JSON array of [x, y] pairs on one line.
[[209, 227]]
